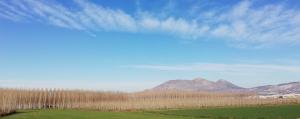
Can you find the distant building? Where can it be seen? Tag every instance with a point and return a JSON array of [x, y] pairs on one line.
[[281, 96]]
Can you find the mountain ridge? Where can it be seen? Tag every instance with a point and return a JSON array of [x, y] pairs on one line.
[[201, 84], [198, 84]]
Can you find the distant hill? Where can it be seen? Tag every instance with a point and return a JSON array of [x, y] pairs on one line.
[[285, 88], [200, 84]]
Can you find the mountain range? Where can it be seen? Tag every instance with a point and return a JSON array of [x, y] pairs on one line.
[[200, 84]]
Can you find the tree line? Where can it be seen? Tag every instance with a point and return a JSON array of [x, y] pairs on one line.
[[14, 99]]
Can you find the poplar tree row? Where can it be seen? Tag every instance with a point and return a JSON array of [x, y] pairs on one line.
[[13, 99]]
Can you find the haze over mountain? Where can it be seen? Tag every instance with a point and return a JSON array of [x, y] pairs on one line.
[[284, 88], [200, 84]]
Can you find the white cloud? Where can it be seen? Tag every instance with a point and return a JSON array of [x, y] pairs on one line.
[[79, 84], [244, 23], [247, 75], [215, 67], [105, 18], [150, 23]]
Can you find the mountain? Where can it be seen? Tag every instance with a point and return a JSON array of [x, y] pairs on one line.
[[199, 84], [285, 88]]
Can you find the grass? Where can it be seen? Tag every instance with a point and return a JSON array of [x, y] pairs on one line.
[[258, 112], [79, 114], [264, 112]]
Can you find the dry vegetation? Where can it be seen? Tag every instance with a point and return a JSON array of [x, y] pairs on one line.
[[12, 99]]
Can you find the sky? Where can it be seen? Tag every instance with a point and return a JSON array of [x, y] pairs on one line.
[[132, 45]]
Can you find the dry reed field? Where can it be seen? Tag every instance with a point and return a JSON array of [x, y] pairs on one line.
[[14, 99]]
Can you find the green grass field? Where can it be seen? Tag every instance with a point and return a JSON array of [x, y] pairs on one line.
[[266, 112]]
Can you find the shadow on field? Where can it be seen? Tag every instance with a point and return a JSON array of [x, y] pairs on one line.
[[16, 113], [201, 116], [179, 115]]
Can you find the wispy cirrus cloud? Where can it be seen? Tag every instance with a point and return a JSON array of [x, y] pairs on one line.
[[78, 84], [219, 67], [242, 24], [246, 74]]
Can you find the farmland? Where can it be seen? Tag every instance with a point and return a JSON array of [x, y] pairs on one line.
[[48, 103], [13, 99], [257, 112]]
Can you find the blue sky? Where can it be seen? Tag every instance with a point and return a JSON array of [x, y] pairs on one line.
[[135, 45]]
